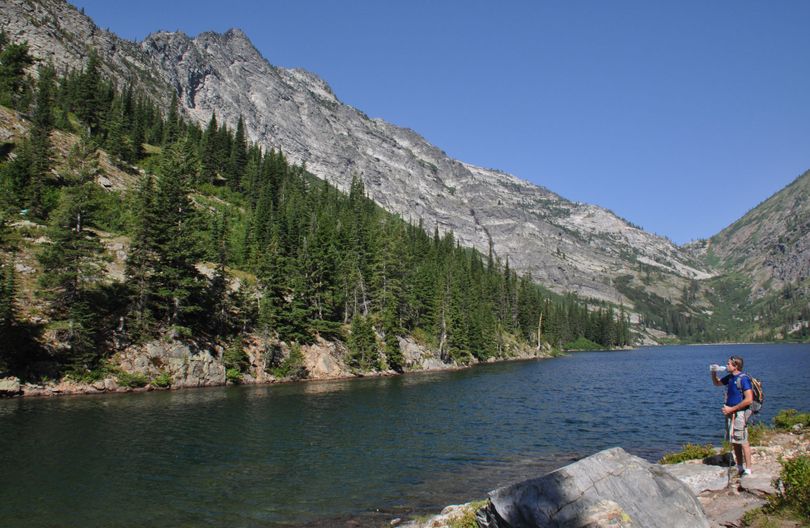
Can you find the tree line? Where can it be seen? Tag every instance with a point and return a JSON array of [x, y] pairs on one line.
[[227, 239]]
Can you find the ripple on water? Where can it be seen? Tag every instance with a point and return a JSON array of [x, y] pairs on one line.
[[270, 455]]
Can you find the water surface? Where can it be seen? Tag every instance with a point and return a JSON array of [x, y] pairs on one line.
[[362, 450]]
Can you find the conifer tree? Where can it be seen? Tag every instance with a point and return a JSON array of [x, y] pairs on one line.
[[209, 150], [89, 94], [171, 131], [42, 125], [363, 345], [237, 159], [71, 264], [143, 261], [118, 142], [178, 282], [14, 59]]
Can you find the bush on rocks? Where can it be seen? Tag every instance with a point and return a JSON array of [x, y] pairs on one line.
[[689, 452]]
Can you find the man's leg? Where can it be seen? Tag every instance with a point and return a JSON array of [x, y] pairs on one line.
[[738, 454], [746, 449]]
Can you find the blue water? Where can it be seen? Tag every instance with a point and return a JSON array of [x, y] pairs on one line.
[[361, 452]]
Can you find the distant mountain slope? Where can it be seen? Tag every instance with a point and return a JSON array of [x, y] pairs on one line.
[[770, 244], [565, 245]]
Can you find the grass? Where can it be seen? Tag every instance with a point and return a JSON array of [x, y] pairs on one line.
[[688, 452], [791, 507], [467, 519], [788, 418]]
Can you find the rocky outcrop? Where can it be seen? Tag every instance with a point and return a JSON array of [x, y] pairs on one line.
[[724, 496], [188, 364], [177, 363], [9, 386], [609, 488]]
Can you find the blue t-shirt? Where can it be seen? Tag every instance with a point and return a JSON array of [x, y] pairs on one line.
[[733, 394]]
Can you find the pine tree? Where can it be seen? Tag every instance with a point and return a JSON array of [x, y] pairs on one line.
[[89, 101], [118, 143], [208, 151], [14, 59], [8, 293], [218, 288], [178, 291], [42, 125], [143, 261], [237, 159], [71, 264], [171, 131], [363, 345]]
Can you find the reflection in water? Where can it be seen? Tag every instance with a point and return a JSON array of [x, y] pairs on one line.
[[360, 451]]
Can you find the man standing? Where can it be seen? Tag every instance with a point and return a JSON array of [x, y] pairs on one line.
[[739, 396]]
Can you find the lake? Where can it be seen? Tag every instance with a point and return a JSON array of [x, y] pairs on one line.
[[361, 451]]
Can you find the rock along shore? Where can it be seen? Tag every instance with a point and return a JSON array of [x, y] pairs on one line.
[[722, 495], [189, 364]]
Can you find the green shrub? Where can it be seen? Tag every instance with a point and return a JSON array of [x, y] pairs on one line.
[[162, 381], [235, 357], [233, 375], [293, 365], [795, 479], [424, 338], [757, 433], [787, 418], [689, 452], [467, 519], [583, 343], [131, 379]]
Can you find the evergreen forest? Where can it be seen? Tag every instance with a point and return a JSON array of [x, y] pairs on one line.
[[225, 240]]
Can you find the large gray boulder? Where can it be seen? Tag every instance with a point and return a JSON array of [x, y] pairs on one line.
[[609, 488]]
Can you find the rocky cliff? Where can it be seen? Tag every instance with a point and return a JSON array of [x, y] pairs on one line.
[[565, 245]]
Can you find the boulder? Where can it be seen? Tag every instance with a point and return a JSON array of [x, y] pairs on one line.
[[759, 484], [9, 386], [700, 477], [609, 488]]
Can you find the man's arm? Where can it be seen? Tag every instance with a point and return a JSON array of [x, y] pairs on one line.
[[715, 379], [748, 398]]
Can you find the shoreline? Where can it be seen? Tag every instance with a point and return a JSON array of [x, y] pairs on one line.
[[109, 385], [11, 387]]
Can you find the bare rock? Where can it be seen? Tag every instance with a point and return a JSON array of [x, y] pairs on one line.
[[188, 364], [611, 486], [9, 386], [759, 484], [325, 360], [700, 477], [726, 509]]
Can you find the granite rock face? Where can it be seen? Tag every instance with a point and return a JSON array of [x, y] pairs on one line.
[[565, 245], [609, 488], [187, 364]]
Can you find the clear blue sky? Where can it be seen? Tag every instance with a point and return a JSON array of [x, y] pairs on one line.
[[678, 116]]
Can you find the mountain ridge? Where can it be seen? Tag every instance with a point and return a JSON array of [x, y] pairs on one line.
[[568, 246]]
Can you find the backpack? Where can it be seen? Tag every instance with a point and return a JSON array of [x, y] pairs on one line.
[[756, 388]]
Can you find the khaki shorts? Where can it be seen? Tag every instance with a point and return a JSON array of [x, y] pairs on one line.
[[737, 427]]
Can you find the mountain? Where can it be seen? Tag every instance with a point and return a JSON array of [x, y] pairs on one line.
[[764, 259], [565, 245], [770, 243]]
